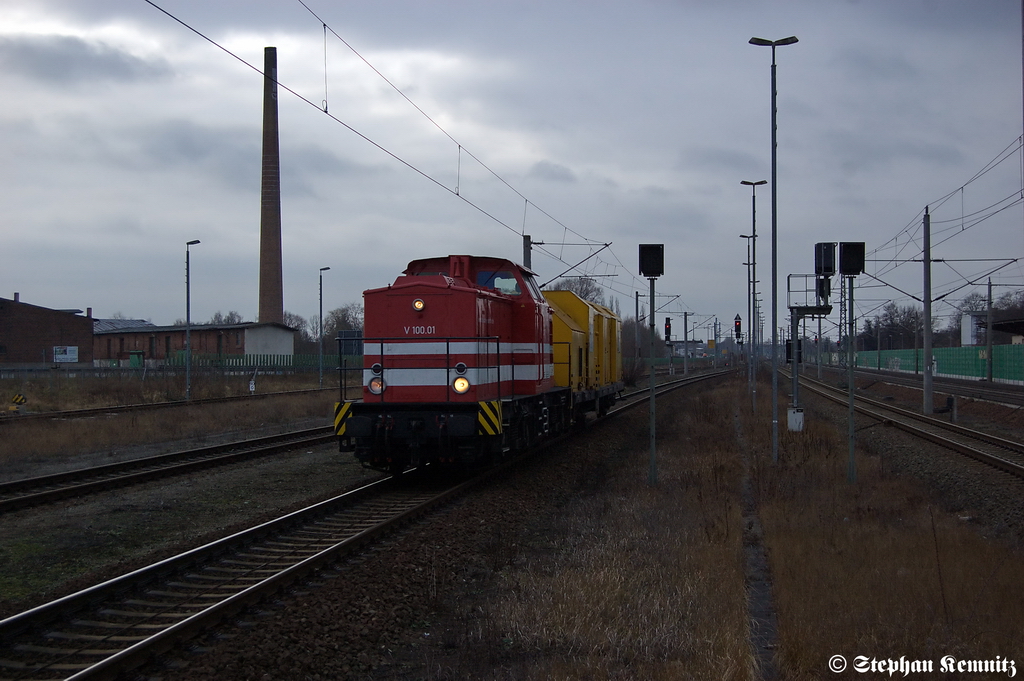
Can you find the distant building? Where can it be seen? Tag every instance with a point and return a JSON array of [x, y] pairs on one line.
[[119, 342], [971, 328], [1014, 327], [32, 336]]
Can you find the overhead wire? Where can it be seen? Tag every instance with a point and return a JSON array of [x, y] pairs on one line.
[[615, 288], [348, 127], [914, 224], [910, 234], [461, 148], [437, 125]]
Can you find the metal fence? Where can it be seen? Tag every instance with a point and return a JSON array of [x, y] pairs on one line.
[[296, 362], [966, 362], [207, 364]]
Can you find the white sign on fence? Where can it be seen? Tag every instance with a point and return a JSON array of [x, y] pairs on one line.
[[65, 353]]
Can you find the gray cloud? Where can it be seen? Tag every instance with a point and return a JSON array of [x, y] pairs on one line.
[[857, 153], [232, 154], [874, 65], [699, 158], [64, 60], [555, 172], [646, 115]]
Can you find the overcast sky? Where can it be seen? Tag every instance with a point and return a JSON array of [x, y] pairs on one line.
[[123, 134]]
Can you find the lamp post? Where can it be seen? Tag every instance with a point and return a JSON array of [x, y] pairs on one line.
[[750, 325], [320, 339], [775, 267], [754, 335], [188, 322]]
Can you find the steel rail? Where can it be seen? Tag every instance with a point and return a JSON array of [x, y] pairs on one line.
[[26, 492], [88, 412], [128, 620], [669, 386], [950, 435], [978, 390]]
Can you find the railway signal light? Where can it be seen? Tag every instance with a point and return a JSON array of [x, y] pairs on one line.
[[799, 352], [652, 260], [851, 258], [824, 289], [738, 325], [825, 259], [668, 329]]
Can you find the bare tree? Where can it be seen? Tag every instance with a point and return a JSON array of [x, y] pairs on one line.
[[224, 319], [972, 302], [345, 318], [298, 323], [585, 287]]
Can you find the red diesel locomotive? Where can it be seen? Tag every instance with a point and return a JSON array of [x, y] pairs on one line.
[[466, 360]]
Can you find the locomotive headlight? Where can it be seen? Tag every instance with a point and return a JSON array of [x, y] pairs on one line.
[[376, 385], [461, 385], [460, 369], [418, 305]]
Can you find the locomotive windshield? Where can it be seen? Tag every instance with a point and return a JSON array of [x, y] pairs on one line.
[[504, 281], [531, 284]]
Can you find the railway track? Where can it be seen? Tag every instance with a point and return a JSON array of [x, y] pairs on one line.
[[117, 625], [975, 390], [109, 628], [1006, 455], [19, 494], [27, 492], [93, 412]]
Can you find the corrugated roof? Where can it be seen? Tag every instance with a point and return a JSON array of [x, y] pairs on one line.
[[1010, 326], [142, 326], [99, 325]]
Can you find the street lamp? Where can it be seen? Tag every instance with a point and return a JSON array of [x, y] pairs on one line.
[[188, 323], [775, 266], [754, 335], [320, 340], [750, 325]]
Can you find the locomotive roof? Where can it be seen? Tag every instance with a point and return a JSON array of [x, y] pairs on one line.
[[420, 264]]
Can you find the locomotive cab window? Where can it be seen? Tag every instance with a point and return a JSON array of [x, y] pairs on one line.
[[531, 284], [504, 281]]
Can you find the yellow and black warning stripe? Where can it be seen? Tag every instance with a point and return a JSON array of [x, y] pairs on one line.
[[488, 419], [342, 410], [19, 399]]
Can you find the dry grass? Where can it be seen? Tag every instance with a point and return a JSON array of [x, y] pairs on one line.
[[30, 444], [876, 568], [54, 443], [643, 582], [59, 391]]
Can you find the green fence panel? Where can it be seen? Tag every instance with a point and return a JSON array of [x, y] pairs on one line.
[[965, 362], [1008, 363]]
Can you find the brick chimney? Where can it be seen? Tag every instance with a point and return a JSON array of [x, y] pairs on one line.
[[271, 303]]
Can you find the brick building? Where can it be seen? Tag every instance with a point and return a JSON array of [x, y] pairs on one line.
[[37, 336], [136, 342]]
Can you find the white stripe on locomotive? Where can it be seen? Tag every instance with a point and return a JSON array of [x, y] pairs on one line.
[[442, 348], [477, 376]]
